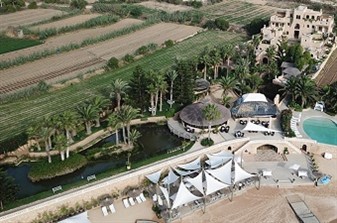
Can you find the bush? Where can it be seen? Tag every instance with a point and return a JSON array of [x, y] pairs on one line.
[[210, 24], [13, 143], [43, 170], [169, 43], [136, 12], [295, 106], [142, 50], [113, 63], [285, 123], [32, 5], [221, 24], [128, 58], [78, 4], [255, 26], [207, 142]]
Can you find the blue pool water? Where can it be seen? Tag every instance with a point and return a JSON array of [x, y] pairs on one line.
[[322, 130]]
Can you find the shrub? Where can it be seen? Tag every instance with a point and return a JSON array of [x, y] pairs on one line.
[[113, 63], [136, 12], [32, 5], [207, 142], [210, 24], [285, 123], [78, 4], [169, 43], [221, 24], [255, 26], [128, 58], [13, 143], [295, 106], [142, 50]]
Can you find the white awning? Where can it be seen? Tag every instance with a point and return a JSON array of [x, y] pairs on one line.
[[224, 173], [183, 196], [80, 218], [254, 97], [254, 127], [223, 154], [213, 185], [193, 165], [197, 182], [215, 161], [154, 177], [166, 194], [185, 173], [240, 174], [170, 178]]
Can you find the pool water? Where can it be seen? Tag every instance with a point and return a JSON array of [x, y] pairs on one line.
[[322, 130]]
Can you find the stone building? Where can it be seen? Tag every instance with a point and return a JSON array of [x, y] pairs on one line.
[[311, 28]]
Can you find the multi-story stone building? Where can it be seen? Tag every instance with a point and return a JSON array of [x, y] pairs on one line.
[[311, 28]]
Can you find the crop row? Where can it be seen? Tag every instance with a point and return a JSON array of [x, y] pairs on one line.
[[17, 116]]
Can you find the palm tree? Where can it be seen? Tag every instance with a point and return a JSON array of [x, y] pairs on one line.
[[226, 52], [242, 68], [119, 88], [306, 91], [100, 104], [115, 123], [172, 75], [210, 113], [254, 81], [61, 145], [226, 101], [87, 113], [290, 88], [69, 121], [46, 133], [215, 59], [228, 83], [271, 53], [126, 115], [33, 133], [205, 59], [152, 91], [134, 135], [162, 89]]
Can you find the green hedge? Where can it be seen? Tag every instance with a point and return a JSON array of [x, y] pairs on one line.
[[43, 170], [285, 122]]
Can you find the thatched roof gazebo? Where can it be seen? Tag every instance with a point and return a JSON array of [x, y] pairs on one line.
[[192, 115]]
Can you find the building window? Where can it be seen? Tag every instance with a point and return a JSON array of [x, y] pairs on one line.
[[288, 24], [307, 17], [308, 26], [297, 26], [298, 17], [320, 28], [313, 27], [312, 17]]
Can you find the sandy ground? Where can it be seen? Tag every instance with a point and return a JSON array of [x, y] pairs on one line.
[[101, 52], [165, 6], [73, 37], [65, 22], [27, 17]]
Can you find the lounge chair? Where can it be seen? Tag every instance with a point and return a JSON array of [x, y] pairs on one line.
[[132, 201], [112, 208], [104, 211], [160, 201], [142, 197], [138, 199], [155, 197], [126, 203]]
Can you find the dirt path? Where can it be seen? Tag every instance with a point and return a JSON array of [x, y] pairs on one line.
[[27, 17], [65, 22], [68, 38], [69, 65]]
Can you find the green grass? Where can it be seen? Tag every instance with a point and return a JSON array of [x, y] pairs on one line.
[[17, 116], [11, 44]]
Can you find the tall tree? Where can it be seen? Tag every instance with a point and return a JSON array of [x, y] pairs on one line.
[[215, 60], [226, 52], [210, 113], [8, 188], [171, 75], [100, 104], [306, 91], [137, 91], [69, 121], [126, 115], [162, 90], [33, 133], [115, 124], [46, 133], [61, 145], [271, 53], [134, 135], [290, 88], [118, 89], [228, 83], [204, 58], [185, 82], [87, 113]]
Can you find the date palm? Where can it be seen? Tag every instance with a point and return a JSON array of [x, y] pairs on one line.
[[115, 124], [126, 115], [134, 135], [34, 134], [61, 145], [290, 88], [205, 59], [69, 121], [118, 89], [162, 90], [306, 91], [210, 113], [226, 52], [87, 113], [172, 75], [215, 59], [46, 133], [228, 83], [100, 104]]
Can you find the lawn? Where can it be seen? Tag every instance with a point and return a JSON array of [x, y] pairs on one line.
[[11, 44], [17, 116]]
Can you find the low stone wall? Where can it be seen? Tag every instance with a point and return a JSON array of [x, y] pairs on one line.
[[118, 182]]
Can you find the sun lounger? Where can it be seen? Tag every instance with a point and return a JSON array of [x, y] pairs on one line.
[[142, 197], [139, 200], [112, 208], [126, 203], [155, 197], [104, 211], [132, 202], [160, 201]]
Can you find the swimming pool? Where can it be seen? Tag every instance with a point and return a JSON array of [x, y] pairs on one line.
[[322, 130]]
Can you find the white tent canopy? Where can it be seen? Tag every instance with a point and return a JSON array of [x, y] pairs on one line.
[[224, 173], [154, 177], [223, 154], [183, 196], [193, 165], [170, 178], [240, 174], [80, 218], [185, 173], [213, 185], [197, 182], [166, 194], [254, 97], [253, 127], [215, 161]]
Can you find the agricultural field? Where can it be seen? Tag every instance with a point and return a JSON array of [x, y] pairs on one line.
[[68, 65], [237, 12], [11, 44], [17, 116], [27, 17], [328, 74], [165, 6], [65, 22], [75, 37]]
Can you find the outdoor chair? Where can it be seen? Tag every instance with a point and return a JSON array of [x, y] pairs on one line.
[[104, 211], [142, 197], [139, 200], [132, 201], [112, 208], [126, 203]]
